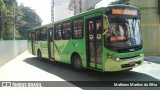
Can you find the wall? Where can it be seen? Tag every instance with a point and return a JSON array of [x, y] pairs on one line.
[[10, 49], [150, 25]]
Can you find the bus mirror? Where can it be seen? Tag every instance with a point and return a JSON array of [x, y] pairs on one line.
[[105, 24]]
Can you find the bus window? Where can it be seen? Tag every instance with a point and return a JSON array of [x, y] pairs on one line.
[[51, 34], [78, 29], [32, 36], [38, 35], [29, 37], [98, 29], [66, 30], [43, 35], [91, 30], [58, 32]]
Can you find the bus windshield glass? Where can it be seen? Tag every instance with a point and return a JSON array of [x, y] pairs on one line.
[[123, 32]]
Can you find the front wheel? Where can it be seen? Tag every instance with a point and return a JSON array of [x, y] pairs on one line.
[[77, 62]]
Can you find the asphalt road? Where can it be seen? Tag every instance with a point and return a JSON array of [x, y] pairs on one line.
[[27, 67]]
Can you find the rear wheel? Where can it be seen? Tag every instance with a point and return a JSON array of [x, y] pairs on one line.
[[39, 54], [77, 62]]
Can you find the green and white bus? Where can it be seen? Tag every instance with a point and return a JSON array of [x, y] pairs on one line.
[[103, 39]]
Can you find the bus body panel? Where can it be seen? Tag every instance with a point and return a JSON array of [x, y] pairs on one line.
[[43, 47], [52, 50], [63, 50], [29, 47]]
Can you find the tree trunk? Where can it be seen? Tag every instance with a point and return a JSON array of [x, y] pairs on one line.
[[2, 26]]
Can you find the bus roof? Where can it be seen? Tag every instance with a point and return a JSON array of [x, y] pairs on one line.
[[122, 5], [101, 9], [72, 18]]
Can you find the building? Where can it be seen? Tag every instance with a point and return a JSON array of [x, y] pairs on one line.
[[150, 19], [59, 9], [79, 6]]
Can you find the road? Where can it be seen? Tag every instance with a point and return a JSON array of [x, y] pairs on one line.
[[27, 67]]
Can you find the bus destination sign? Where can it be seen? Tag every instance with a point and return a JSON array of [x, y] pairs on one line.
[[124, 11]]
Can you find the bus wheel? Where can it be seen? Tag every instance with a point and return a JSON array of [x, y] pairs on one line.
[[77, 62], [39, 54]]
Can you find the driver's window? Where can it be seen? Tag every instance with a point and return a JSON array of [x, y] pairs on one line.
[[117, 32]]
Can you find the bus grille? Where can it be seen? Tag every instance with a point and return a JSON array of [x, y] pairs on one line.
[[130, 65]]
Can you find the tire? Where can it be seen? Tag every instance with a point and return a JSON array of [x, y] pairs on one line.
[[77, 62], [39, 55]]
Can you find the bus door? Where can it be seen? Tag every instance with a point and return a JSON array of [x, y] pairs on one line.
[[94, 42], [50, 43], [33, 42]]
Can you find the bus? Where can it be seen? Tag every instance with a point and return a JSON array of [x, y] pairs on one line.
[[106, 39]]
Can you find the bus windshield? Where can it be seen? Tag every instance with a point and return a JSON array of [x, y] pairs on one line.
[[123, 32]]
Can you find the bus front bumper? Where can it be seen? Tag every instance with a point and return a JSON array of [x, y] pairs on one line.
[[111, 65]]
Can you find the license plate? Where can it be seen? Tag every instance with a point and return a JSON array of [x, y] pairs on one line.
[[132, 63]]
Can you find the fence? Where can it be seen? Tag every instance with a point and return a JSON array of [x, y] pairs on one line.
[[10, 49]]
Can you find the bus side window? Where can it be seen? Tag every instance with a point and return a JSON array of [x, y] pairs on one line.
[[98, 29], [58, 32], [43, 35], [51, 34], [29, 36], [38, 35], [32, 36], [66, 30], [91, 30], [77, 29]]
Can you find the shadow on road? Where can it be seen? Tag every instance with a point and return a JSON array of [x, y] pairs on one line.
[[153, 59], [66, 72]]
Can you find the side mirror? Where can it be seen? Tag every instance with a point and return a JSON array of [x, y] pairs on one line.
[[105, 24]]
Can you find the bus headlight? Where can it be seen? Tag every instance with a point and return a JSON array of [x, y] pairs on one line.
[[113, 57], [141, 54], [117, 59]]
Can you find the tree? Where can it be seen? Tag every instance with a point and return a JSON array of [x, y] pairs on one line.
[[16, 20], [2, 12], [7, 18], [30, 19]]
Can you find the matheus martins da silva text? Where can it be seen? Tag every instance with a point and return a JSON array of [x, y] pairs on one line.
[[135, 84]]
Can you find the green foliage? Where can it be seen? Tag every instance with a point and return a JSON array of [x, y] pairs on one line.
[[28, 20], [16, 19], [7, 18]]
